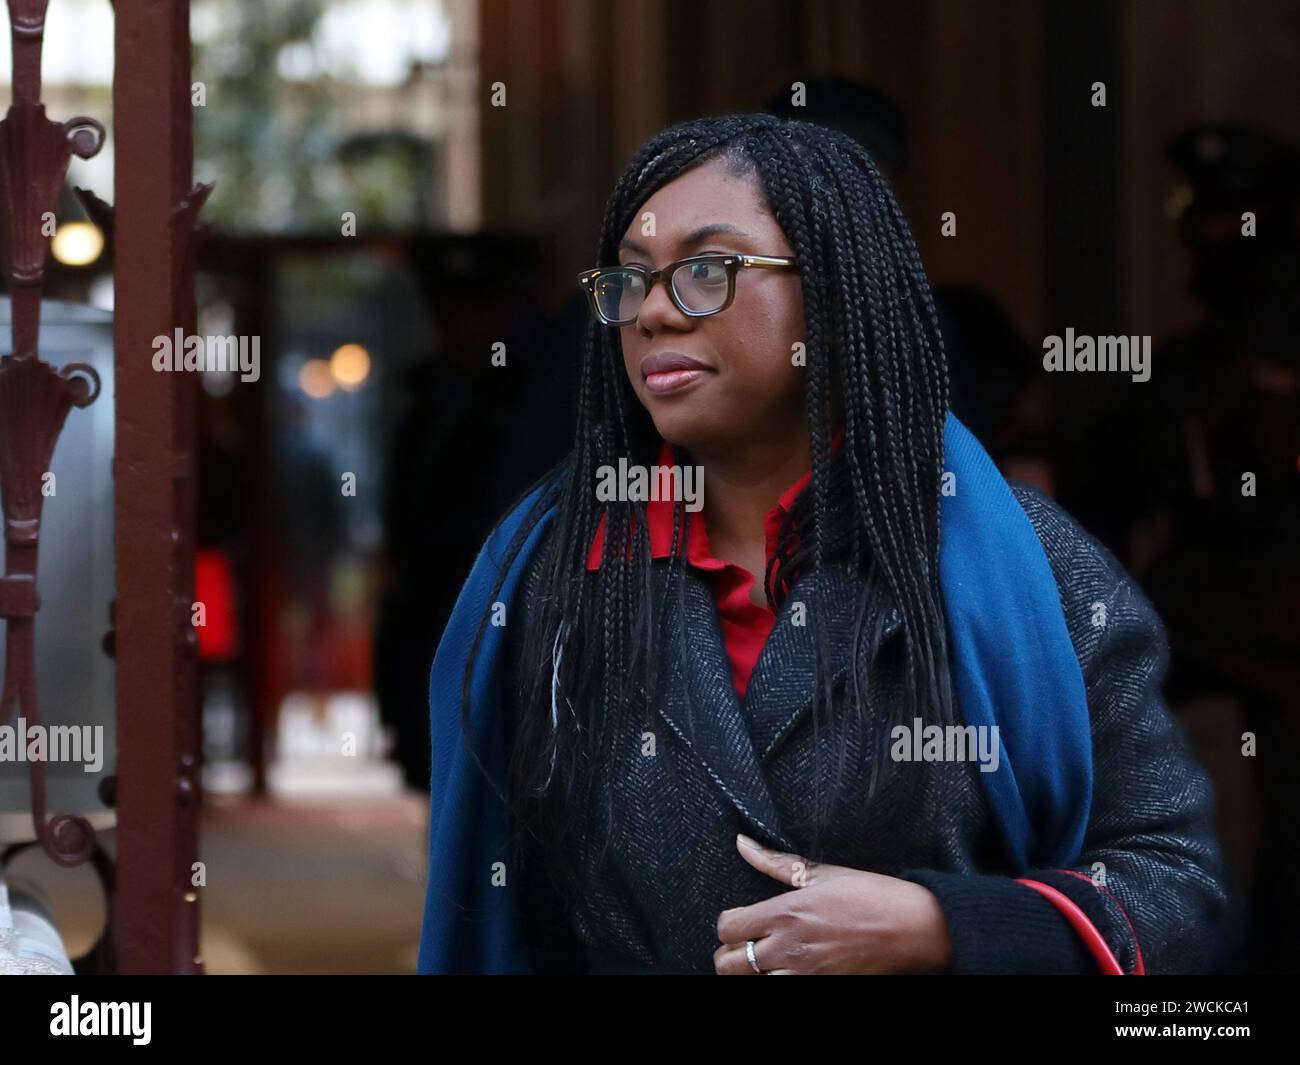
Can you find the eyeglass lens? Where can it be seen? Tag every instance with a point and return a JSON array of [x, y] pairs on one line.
[[700, 287]]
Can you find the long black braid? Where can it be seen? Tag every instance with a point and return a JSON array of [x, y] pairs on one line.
[[876, 368]]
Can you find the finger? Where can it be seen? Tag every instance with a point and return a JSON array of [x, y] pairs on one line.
[[734, 960], [750, 922], [790, 869]]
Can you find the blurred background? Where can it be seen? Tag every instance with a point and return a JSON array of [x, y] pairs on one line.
[[404, 186]]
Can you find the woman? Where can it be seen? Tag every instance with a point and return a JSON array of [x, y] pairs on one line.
[[858, 706]]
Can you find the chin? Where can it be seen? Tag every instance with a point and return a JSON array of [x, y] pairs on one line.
[[688, 429]]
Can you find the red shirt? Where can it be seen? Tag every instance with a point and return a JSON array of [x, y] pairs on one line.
[[745, 624]]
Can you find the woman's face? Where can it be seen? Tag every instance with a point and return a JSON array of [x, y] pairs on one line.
[[746, 386]]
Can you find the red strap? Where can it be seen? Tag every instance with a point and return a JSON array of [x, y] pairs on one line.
[[1092, 939]]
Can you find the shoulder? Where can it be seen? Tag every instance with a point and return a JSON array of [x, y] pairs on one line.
[[508, 555], [513, 541], [1062, 537], [540, 508], [536, 580], [531, 526], [1101, 602]]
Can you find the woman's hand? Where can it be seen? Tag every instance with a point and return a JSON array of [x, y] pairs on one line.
[[839, 921]]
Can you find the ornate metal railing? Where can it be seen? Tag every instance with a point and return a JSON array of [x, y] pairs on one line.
[[153, 923], [35, 398]]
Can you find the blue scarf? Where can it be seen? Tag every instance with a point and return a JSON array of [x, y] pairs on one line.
[[1012, 661]]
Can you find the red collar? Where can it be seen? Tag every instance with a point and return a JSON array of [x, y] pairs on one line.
[[745, 625], [660, 517]]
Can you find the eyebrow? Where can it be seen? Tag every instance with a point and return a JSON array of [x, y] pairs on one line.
[[695, 236]]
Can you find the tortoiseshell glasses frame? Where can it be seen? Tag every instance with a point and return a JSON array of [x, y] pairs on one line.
[[703, 293]]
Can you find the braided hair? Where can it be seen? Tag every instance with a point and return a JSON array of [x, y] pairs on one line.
[[875, 367]]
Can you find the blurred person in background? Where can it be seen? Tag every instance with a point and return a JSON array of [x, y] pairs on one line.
[[439, 499], [1196, 482]]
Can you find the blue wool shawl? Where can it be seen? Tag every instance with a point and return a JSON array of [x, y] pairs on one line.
[[1012, 663]]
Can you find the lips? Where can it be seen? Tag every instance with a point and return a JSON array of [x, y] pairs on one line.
[[671, 371]]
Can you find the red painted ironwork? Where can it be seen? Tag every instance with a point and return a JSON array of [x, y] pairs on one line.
[[155, 909], [35, 398], [153, 923]]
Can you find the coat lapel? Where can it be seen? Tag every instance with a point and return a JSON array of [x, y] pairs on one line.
[[783, 687], [698, 702]]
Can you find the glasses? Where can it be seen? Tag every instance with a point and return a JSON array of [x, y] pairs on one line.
[[699, 286]]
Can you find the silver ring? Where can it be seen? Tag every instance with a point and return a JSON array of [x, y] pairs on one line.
[[749, 953]]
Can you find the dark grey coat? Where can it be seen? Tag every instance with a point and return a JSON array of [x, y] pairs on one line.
[[722, 766]]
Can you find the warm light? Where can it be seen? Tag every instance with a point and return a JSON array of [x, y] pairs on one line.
[[1178, 200], [315, 378], [77, 243], [350, 366]]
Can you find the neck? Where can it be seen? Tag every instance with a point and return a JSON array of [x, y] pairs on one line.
[[742, 484]]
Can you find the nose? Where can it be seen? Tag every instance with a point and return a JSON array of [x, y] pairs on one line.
[[659, 312]]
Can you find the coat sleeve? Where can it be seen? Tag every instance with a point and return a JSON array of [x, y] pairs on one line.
[[1149, 878]]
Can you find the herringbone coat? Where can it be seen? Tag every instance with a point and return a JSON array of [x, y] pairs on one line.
[[722, 765]]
